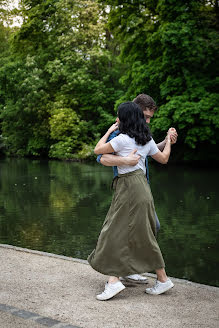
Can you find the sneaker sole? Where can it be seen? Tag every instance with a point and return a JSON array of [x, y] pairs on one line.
[[164, 291], [106, 299]]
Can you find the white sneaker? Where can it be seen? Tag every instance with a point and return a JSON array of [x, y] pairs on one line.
[[137, 278], [160, 287], [110, 291]]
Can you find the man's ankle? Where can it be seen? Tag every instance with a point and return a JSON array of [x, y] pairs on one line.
[[162, 280]]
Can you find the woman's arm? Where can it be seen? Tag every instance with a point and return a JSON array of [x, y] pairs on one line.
[[163, 157], [173, 138], [104, 147]]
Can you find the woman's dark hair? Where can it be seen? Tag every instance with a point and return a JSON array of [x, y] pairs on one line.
[[132, 122]]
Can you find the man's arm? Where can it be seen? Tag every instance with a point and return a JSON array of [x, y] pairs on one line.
[[132, 159], [161, 145], [113, 160]]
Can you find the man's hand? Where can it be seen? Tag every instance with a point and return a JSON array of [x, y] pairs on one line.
[[173, 135], [114, 160], [132, 159]]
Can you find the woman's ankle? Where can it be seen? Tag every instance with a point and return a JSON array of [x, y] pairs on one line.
[[113, 280]]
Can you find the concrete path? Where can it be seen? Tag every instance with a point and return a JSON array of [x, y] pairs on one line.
[[45, 290]]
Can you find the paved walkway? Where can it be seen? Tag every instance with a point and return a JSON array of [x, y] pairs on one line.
[[45, 290]]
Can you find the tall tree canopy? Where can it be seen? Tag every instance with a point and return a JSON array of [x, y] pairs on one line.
[[71, 62], [170, 48], [62, 79]]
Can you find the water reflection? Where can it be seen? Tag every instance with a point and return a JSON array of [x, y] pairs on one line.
[[187, 205], [59, 207]]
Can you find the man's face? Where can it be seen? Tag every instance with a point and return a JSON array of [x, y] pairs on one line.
[[148, 114]]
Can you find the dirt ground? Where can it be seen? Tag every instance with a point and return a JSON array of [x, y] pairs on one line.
[[63, 289]]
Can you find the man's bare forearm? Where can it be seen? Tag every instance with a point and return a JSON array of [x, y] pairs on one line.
[[113, 160], [161, 145]]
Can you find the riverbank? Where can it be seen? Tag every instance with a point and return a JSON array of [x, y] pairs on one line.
[[60, 292], [91, 159]]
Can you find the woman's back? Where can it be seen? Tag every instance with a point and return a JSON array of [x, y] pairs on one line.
[[123, 145]]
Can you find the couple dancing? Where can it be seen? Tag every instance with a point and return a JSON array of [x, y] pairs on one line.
[[127, 244]]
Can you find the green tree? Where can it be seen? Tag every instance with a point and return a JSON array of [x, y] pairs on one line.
[[6, 30], [62, 62], [24, 116], [23, 110], [85, 73], [170, 48]]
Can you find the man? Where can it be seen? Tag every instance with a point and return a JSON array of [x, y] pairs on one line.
[[148, 106]]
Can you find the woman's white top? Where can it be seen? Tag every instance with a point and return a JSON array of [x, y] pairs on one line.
[[123, 145]]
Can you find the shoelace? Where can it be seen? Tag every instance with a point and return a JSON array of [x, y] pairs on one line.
[[155, 286]]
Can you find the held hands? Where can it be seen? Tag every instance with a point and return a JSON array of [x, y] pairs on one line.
[[168, 139], [172, 135]]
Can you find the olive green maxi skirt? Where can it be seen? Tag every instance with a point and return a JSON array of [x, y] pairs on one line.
[[127, 242]]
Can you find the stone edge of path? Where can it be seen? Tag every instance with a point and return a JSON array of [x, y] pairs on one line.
[[72, 259], [38, 319]]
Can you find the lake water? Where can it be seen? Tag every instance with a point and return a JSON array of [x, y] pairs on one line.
[[59, 207]]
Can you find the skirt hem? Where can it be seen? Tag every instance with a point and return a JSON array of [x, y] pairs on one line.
[[124, 274]]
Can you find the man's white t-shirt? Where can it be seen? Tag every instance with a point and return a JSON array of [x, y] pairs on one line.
[[123, 145]]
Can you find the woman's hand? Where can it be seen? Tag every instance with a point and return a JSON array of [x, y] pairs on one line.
[[113, 128], [104, 147]]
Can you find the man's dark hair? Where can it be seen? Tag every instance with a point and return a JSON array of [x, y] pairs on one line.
[[145, 102], [132, 122]]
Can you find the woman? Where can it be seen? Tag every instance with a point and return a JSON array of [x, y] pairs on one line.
[[127, 242]]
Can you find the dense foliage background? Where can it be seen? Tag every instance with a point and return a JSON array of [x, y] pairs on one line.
[[67, 67]]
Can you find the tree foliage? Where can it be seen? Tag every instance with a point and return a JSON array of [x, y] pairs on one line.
[[61, 79], [170, 48], [73, 60]]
